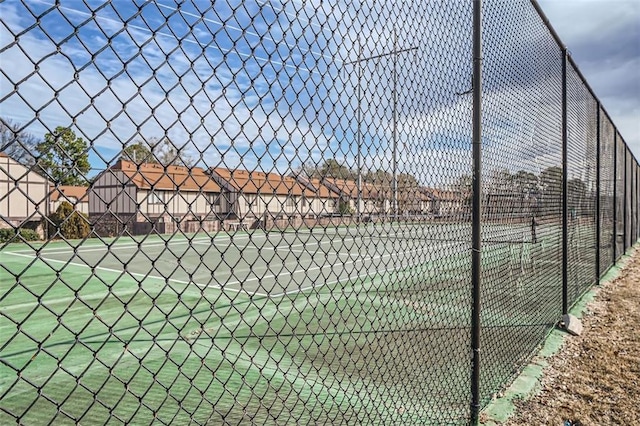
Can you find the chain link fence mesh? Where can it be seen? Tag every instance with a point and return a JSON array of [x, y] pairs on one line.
[[628, 199], [522, 179], [607, 191], [260, 212], [581, 157], [620, 195]]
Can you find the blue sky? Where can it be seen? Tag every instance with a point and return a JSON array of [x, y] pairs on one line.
[[268, 84], [251, 84]]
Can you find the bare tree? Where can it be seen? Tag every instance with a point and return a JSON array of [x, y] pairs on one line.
[[168, 154], [16, 142]]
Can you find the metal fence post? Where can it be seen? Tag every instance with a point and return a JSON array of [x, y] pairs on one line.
[[634, 201], [565, 233], [598, 224], [476, 266], [625, 203], [615, 195]]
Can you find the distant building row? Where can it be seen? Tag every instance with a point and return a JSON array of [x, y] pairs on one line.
[[142, 197]]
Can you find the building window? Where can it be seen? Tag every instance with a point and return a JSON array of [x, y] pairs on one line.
[[156, 197], [214, 199]]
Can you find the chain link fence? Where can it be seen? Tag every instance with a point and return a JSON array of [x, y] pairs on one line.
[[241, 212]]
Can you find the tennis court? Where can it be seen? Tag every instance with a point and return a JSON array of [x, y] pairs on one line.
[[288, 316], [269, 264]]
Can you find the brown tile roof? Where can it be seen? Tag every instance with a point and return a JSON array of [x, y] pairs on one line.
[[63, 192], [157, 176], [2, 154], [321, 190], [350, 188], [254, 182]]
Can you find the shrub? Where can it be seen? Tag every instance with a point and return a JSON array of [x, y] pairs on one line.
[[67, 223], [29, 235], [10, 235], [344, 208]]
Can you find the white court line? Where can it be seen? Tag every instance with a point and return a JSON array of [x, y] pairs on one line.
[[321, 242], [349, 254], [288, 246], [349, 278], [66, 300], [255, 278], [80, 249], [121, 272], [315, 268]]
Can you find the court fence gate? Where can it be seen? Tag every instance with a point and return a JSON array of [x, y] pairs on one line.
[[267, 211]]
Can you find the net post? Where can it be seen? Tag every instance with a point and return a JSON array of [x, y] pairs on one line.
[[565, 209], [598, 224], [476, 212]]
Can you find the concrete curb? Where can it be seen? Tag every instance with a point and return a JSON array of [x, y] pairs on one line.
[[527, 384]]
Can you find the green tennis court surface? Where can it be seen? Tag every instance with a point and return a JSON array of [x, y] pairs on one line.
[[255, 323], [260, 264]]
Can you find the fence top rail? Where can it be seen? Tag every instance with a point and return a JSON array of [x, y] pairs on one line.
[[573, 63]]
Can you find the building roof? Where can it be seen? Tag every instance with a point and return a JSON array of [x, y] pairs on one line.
[[316, 187], [350, 188], [172, 178], [25, 168], [254, 182], [65, 192]]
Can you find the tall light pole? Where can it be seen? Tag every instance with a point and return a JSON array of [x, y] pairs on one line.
[[395, 52], [394, 182]]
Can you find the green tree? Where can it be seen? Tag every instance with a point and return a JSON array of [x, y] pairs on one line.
[[67, 223], [334, 169], [577, 188], [344, 208], [407, 188], [551, 180], [525, 182], [500, 181], [156, 151], [577, 196], [462, 183], [551, 184], [331, 168], [379, 178], [64, 157]]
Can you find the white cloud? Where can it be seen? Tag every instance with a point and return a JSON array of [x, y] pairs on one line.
[[603, 37], [231, 105], [217, 109]]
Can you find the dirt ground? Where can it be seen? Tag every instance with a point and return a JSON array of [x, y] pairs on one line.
[[595, 378]]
